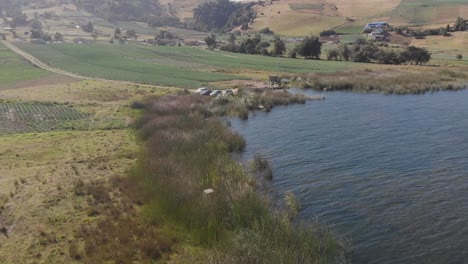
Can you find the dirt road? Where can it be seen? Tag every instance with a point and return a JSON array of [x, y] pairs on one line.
[[39, 63]]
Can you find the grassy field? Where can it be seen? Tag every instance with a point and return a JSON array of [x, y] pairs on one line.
[[14, 69], [52, 181], [39, 172], [169, 66], [419, 12]]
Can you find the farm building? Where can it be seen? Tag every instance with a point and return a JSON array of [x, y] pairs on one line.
[[376, 25], [378, 34]]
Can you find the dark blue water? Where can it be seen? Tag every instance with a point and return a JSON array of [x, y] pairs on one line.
[[390, 171]]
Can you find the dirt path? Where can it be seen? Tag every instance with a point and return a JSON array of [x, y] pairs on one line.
[[39, 63]]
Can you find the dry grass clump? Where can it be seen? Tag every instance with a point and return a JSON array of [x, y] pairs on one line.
[[391, 82], [119, 233], [261, 165]]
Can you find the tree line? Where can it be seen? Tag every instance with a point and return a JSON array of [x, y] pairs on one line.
[[221, 15], [311, 48], [364, 51]]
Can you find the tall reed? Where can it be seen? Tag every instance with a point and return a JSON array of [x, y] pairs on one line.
[[187, 151]]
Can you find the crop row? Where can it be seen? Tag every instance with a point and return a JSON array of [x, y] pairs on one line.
[[25, 117]]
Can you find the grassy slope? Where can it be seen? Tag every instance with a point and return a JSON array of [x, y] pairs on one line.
[[174, 66], [38, 203], [302, 17], [43, 212], [13, 68], [419, 12]]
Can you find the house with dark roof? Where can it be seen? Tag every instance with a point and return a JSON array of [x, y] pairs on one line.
[[374, 25]]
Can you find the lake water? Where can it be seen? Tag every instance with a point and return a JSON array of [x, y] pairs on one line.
[[389, 171]]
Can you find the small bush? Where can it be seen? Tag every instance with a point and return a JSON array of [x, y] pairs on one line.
[[137, 105], [261, 165], [75, 252]]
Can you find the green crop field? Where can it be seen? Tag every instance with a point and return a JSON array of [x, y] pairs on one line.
[[16, 117], [13, 68], [421, 12], [169, 66]]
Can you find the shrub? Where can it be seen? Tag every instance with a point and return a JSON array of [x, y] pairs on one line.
[[266, 30]]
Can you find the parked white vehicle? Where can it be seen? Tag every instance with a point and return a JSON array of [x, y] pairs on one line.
[[201, 89], [216, 93]]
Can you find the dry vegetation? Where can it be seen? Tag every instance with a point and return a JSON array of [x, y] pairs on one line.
[[187, 152], [56, 187], [39, 171], [391, 80], [300, 17]]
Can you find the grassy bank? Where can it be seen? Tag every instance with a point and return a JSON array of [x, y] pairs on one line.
[[393, 80], [187, 152]]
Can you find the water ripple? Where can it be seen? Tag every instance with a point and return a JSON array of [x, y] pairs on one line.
[[391, 171]]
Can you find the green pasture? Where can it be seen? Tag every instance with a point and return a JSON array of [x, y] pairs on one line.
[[420, 12], [13, 68], [165, 65], [350, 29]]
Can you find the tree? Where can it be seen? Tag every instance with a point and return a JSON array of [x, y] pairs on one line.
[[344, 52], [88, 27], [58, 37], [279, 47], [36, 34], [210, 40], [117, 32], [460, 24], [333, 54], [36, 25], [387, 57], [214, 15], [459, 57], [94, 36], [311, 47], [327, 33], [364, 52], [266, 31], [292, 54], [417, 55], [131, 33], [232, 39]]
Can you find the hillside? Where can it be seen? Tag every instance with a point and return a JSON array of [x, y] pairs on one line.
[[302, 17], [299, 17]]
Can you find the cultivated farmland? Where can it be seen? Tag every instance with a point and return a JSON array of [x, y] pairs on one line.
[[18, 117], [14, 69], [168, 66], [420, 12]]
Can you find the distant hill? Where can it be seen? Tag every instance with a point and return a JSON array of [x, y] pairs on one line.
[[302, 17], [284, 17]]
